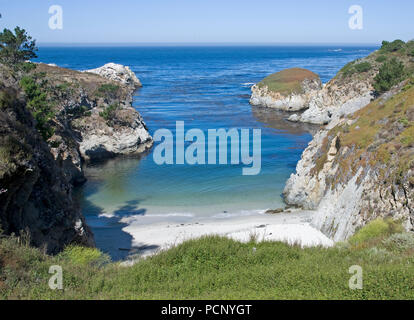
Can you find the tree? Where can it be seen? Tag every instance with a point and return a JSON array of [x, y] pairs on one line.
[[16, 48]]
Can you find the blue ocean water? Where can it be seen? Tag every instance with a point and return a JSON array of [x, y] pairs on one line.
[[207, 87]]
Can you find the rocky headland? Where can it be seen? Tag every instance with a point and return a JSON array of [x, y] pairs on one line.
[[53, 121], [360, 165], [350, 90], [287, 90]]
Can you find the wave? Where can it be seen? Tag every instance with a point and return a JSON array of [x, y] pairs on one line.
[[247, 84], [243, 213], [178, 214]]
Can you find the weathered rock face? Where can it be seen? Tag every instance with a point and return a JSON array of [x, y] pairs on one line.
[[337, 98], [35, 195], [359, 168], [118, 73], [360, 165], [124, 134], [93, 119], [350, 90], [288, 90]]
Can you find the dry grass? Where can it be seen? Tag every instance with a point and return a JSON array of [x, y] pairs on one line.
[[287, 81]]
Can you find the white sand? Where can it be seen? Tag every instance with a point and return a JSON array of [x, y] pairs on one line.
[[288, 227]]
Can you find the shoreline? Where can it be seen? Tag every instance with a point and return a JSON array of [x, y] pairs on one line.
[[292, 228]]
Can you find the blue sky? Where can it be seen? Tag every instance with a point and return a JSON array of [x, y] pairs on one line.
[[240, 21]]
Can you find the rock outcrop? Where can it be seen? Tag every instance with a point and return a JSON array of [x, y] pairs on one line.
[[125, 133], [360, 168], [360, 165], [94, 117], [89, 117], [287, 90], [341, 96], [35, 197], [118, 73]]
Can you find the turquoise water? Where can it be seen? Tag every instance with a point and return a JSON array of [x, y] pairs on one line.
[[208, 88]]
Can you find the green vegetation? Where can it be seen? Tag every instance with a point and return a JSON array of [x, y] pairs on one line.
[[375, 229], [287, 81], [84, 256], [38, 105], [219, 268], [381, 58], [391, 73], [12, 151], [108, 89], [109, 112], [380, 138], [392, 46], [363, 67], [16, 48], [353, 67]]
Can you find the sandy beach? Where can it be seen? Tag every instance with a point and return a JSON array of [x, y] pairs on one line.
[[287, 227]]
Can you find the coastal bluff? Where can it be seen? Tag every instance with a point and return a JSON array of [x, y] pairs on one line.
[[53, 121], [288, 90], [95, 117], [360, 165]]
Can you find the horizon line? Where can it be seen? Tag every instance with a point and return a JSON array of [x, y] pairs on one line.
[[208, 44]]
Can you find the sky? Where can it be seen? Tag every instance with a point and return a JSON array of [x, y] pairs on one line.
[[211, 21]]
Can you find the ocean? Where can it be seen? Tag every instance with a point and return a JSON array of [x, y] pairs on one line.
[[207, 87]]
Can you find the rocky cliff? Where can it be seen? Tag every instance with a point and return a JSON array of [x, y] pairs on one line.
[[36, 197], [53, 120], [288, 90], [361, 165], [94, 116]]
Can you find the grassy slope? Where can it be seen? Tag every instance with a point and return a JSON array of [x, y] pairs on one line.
[[217, 268], [373, 62], [287, 81]]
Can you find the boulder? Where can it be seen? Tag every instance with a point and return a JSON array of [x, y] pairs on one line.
[[119, 73]]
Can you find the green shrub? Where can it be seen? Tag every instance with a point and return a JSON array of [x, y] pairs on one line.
[[392, 46], [6, 99], [109, 112], [39, 107], [12, 151], [381, 58], [348, 69], [376, 229], [404, 121], [26, 67], [64, 87], [390, 74], [363, 67], [108, 90], [84, 256], [400, 242]]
